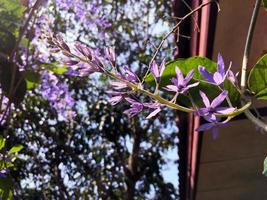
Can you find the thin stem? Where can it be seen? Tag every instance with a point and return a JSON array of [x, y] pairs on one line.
[[248, 45], [247, 49], [175, 28]]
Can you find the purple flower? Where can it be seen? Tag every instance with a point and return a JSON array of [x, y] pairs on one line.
[[211, 125], [157, 70], [180, 84], [116, 97], [129, 75], [232, 77], [58, 95], [136, 107], [156, 106], [219, 76], [212, 108], [110, 55], [3, 173]]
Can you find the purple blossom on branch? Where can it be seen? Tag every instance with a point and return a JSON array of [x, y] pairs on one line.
[[156, 106], [116, 97], [180, 83], [210, 109], [136, 107], [219, 76], [156, 70]]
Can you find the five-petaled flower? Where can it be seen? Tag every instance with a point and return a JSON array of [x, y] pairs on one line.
[[219, 76], [210, 109], [180, 83]]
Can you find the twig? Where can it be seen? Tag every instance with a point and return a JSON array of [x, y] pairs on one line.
[[176, 27], [247, 49]]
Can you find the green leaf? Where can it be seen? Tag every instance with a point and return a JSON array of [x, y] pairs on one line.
[[187, 65], [16, 149], [32, 79], [2, 142], [6, 70], [54, 68], [257, 80], [265, 167], [6, 188], [265, 4]]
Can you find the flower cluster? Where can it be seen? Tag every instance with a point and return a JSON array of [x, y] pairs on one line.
[[58, 95], [127, 87]]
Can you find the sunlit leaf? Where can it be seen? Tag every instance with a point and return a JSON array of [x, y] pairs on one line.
[[16, 149], [32, 79], [54, 68], [2, 142]]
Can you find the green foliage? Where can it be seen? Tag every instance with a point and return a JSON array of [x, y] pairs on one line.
[[2, 142], [265, 4], [15, 149], [11, 13], [257, 80], [187, 65], [32, 79], [6, 184], [53, 67], [265, 167]]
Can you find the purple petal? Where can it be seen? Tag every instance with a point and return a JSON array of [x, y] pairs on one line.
[[207, 75], [218, 78], [152, 105], [162, 67], [205, 99], [154, 69], [118, 85], [180, 77], [225, 110], [219, 99], [154, 113], [189, 77], [115, 100], [131, 101], [171, 88], [220, 65], [211, 118], [202, 111], [130, 75], [205, 127]]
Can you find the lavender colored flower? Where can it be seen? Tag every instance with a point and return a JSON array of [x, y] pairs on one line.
[[157, 70], [213, 126], [232, 77], [219, 76], [180, 84], [116, 97], [156, 106], [3, 173], [129, 75], [136, 107], [58, 95], [210, 109], [110, 55]]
